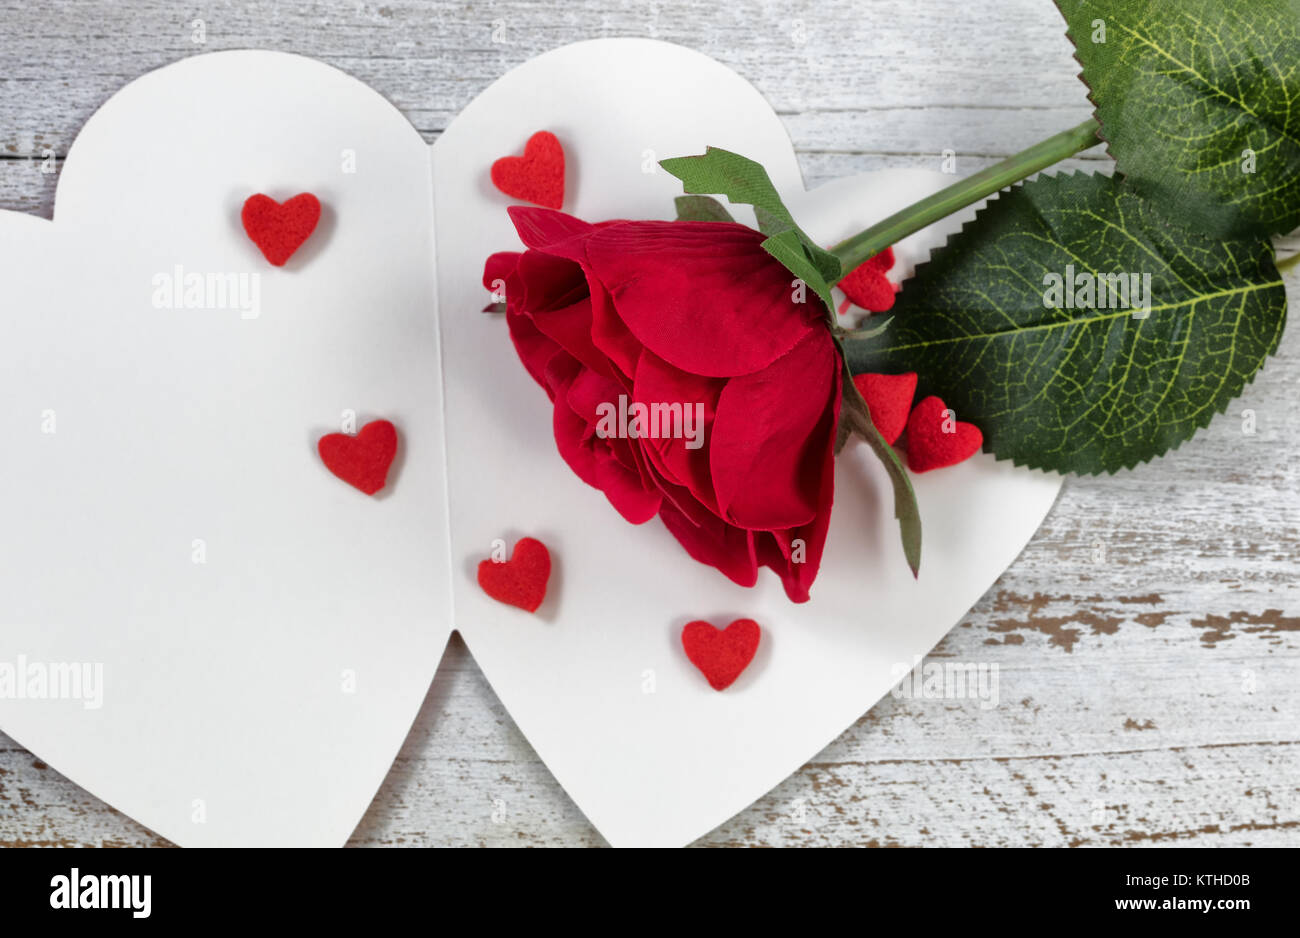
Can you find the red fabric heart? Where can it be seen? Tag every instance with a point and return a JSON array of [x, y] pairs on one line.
[[866, 285], [521, 580], [889, 399], [279, 230], [721, 654], [361, 460], [537, 176], [929, 446]]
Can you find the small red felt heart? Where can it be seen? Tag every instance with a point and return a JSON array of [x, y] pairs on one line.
[[889, 399], [721, 654], [866, 285], [521, 580], [361, 460], [279, 230], [935, 439], [537, 176]]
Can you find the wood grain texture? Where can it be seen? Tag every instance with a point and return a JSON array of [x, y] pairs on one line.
[[1148, 638]]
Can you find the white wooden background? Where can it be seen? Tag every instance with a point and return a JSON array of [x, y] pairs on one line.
[[1149, 636]]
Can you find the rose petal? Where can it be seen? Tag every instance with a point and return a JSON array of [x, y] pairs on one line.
[[562, 241], [499, 267], [547, 283], [703, 296], [534, 349], [624, 488], [570, 328], [658, 382], [590, 457], [545, 228], [776, 549], [611, 335], [588, 391], [768, 446], [715, 543]]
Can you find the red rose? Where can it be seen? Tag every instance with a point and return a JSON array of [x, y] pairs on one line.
[[696, 314]]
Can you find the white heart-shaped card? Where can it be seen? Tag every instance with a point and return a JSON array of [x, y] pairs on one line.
[[265, 634], [601, 687]]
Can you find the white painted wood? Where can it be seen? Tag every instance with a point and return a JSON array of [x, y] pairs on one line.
[[1148, 639]]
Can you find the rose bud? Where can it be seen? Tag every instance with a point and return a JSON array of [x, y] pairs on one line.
[[653, 313]]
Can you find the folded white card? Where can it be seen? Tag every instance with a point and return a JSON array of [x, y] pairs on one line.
[[264, 634]]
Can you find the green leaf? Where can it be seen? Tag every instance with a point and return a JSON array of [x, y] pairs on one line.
[[1187, 90], [1090, 388], [700, 208], [768, 223], [788, 249], [741, 180], [871, 330], [855, 414]]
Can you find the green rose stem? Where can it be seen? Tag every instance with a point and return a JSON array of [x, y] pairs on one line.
[[983, 184]]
